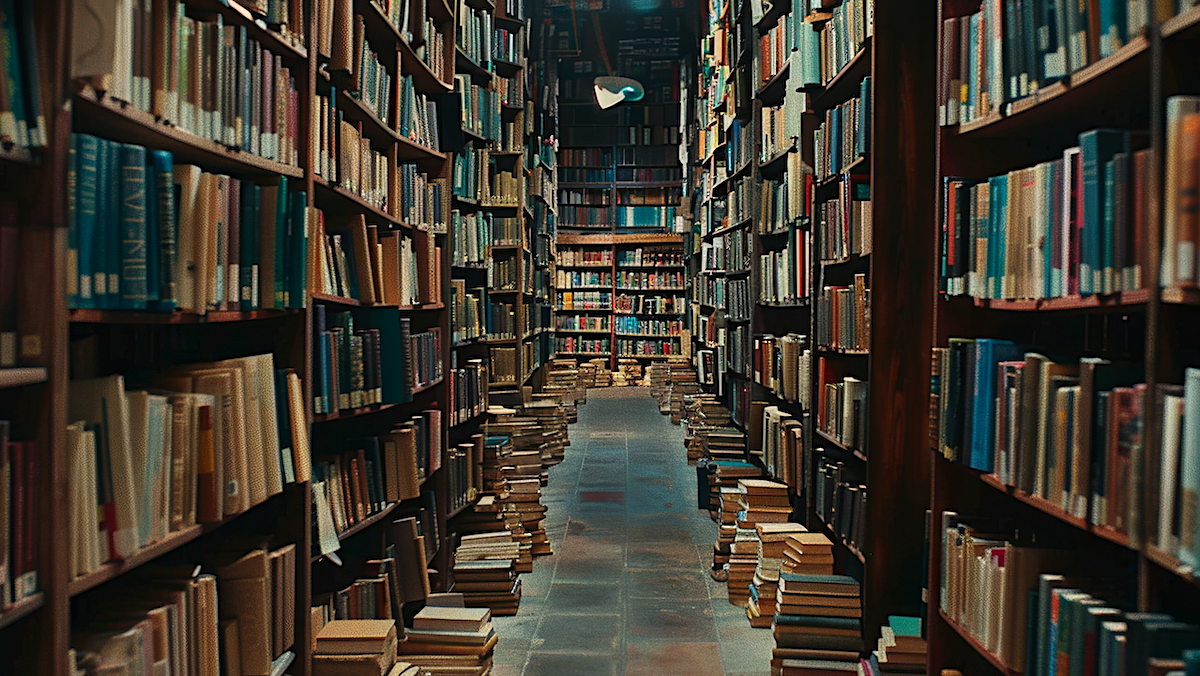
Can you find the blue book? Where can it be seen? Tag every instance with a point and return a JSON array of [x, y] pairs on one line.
[[997, 228], [283, 424], [818, 621], [133, 282], [162, 256], [864, 116], [1191, 663], [1108, 233], [248, 269], [1095, 148], [989, 352], [104, 237], [87, 156], [297, 273], [1113, 22], [281, 243], [903, 625]]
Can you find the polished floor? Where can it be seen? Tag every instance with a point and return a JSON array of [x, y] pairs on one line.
[[627, 589]]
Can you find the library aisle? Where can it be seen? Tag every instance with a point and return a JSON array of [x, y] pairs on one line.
[[627, 590]]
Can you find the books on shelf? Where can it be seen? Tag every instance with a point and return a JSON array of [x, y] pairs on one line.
[[567, 345], [844, 223], [579, 278], [841, 502], [650, 257], [843, 36], [468, 391], [21, 473], [588, 323], [22, 121], [470, 235], [466, 311], [432, 50], [784, 273], [475, 35], [373, 265], [1069, 439], [570, 257], [843, 316], [841, 404], [784, 365], [346, 158], [1082, 217], [502, 321], [470, 178], [479, 107], [845, 134], [362, 357], [149, 234], [203, 76], [361, 476], [647, 304], [417, 116], [587, 300], [209, 441]]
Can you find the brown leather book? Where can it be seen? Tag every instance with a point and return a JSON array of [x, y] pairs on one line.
[[244, 593]]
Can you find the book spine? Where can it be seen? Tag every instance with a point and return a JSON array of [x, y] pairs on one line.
[[133, 281]]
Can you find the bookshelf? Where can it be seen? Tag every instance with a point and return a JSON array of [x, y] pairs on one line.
[[1141, 289], [318, 201], [621, 296]]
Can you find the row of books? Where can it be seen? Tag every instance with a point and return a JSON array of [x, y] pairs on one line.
[[627, 304], [466, 311], [479, 108], [777, 128], [650, 257], [468, 391], [842, 37], [364, 475], [208, 441], [579, 345], [570, 158], [1029, 605], [417, 116], [504, 364], [361, 262], [506, 186], [432, 50], [475, 34], [367, 356], [784, 276], [844, 316], [470, 180], [627, 279], [509, 45], [844, 223], [207, 78], [1073, 225], [582, 323], [648, 327], [502, 321], [642, 348], [638, 195], [20, 476], [584, 257], [782, 443], [776, 46], [782, 364], [841, 404], [345, 158], [789, 200], [512, 94], [187, 239], [1003, 53], [632, 135], [504, 274], [352, 55], [22, 122], [845, 134], [650, 175], [740, 205], [739, 145], [1180, 231], [587, 175], [1068, 440], [461, 462], [574, 279], [470, 236], [585, 300], [229, 614], [657, 217], [739, 346], [841, 504], [592, 196]]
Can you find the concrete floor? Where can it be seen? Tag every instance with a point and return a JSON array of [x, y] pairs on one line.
[[627, 589]]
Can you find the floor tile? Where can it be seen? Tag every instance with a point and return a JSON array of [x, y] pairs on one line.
[[656, 658], [552, 664]]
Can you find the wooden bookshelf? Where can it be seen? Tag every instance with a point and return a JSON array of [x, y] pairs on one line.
[[19, 377], [21, 609]]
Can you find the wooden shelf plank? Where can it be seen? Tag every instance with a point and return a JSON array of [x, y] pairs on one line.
[[1076, 302], [328, 193], [351, 413], [367, 522], [1051, 509], [92, 316], [988, 655], [844, 84], [20, 376], [829, 438], [20, 609]]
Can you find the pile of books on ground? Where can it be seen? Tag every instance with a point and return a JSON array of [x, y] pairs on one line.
[[553, 419], [447, 640], [758, 501], [817, 625], [358, 647], [595, 373], [657, 376], [807, 554], [629, 372], [772, 542], [515, 487], [683, 383], [563, 385], [900, 650], [489, 516], [486, 571]]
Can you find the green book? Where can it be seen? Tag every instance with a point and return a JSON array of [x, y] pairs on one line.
[[132, 243]]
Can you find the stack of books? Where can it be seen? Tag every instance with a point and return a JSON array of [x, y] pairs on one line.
[[817, 624], [807, 554], [359, 647], [772, 542], [553, 419], [901, 649], [756, 500], [726, 523], [489, 583], [450, 640]]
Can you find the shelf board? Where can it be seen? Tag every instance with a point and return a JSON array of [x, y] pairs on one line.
[[773, 90], [802, 303], [777, 163], [1075, 302], [477, 340], [1106, 78], [20, 376], [728, 228], [22, 608], [848, 171], [358, 111], [1051, 509], [845, 83], [336, 300], [232, 12], [839, 539], [988, 655], [771, 17], [1181, 295], [409, 149], [368, 522], [469, 66], [509, 23], [120, 121], [350, 201], [852, 451], [506, 69], [351, 413], [93, 316], [467, 505], [1170, 563], [588, 331], [427, 386], [469, 419], [840, 351]]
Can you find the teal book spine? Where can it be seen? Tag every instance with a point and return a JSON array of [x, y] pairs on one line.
[[1096, 147], [1189, 471], [297, 275], [818, 621], [151, 236], [281, 244], [1108, 234], [87, 156], [73, 223], [1113, 20], [103, 237], [15, 122], [133, 284], [162, 177], [248, 296]]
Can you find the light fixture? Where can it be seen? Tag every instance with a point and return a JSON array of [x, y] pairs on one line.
[[611, 90]]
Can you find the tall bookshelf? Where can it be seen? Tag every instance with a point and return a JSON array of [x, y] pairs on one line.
[[780, 270], [325, 108], [1120, 513]]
